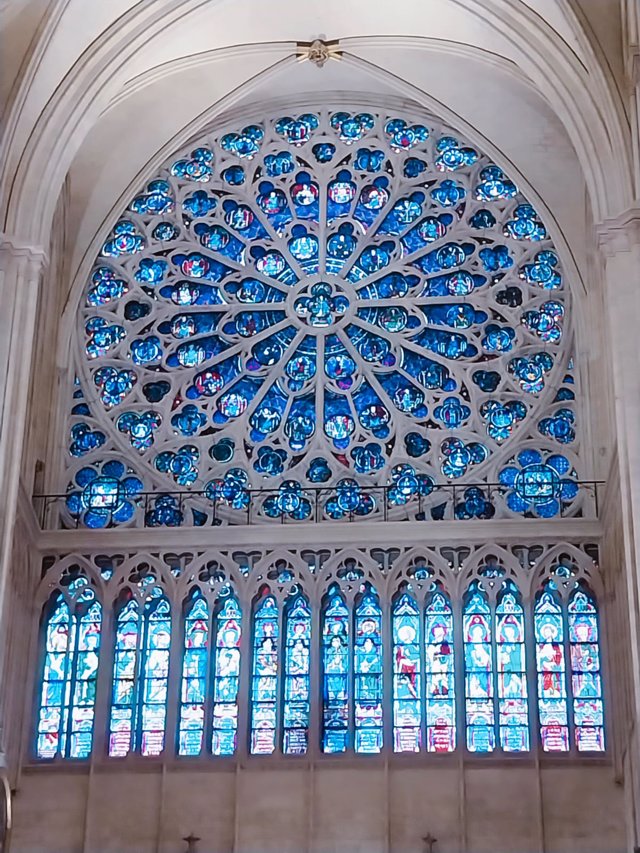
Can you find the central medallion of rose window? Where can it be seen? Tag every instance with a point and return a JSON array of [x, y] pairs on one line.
[[321, 305]]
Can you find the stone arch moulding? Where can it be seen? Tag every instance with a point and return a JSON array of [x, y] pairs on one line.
[[46, 157]]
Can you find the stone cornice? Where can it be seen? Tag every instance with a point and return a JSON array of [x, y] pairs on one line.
[[15, 248], [619, 233]]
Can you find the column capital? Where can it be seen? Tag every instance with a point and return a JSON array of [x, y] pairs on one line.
[[13, 247], [619, 233]]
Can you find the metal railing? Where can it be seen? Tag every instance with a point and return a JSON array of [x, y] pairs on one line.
[[443, 501]]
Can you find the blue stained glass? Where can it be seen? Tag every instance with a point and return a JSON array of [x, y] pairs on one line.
[[496, 258], [279, 164], [286, 280], [413, 167], [586, 680], [494, 185], [543, 271], [368, 672], [234, 176], [101, 337], [323, 152], [298, 130], [156, 199], [513, 716], [226, 676], [193, 689], [336, 700], [197, 167], [403, 136], [559, 426], [140, 678], [264, 681], [407, 670], [440, 673], [296, 705], [448, 193], [140, 427], [245, 143], [479, 691], [71, 642], [151, 271], [84, 439], [125, 240], [452, 155], [551, 668], [525, 225], [105, 287]]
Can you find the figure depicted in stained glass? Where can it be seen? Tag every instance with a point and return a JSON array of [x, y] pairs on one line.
[[512, 683], [440, 698], [586, 683], [368, 672], [226, 676], [67, 699], [155, 674], [296, 677], [194, 676], [324, 304], [478, 671], [550, 658], [265, 675], [407, 682], [335, 660], [140, 676]]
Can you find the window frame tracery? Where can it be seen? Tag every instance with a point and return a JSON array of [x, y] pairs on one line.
[[404, 569], [470, 503]]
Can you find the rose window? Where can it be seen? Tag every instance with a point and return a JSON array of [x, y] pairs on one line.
[[346, 301]]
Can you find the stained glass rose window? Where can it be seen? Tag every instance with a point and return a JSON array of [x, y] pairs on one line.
[[334, 300]]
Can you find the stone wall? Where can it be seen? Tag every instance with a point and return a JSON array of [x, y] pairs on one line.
[[326, 808]]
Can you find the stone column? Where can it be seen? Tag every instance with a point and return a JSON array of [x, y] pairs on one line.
[[619, 241], [21, 267]]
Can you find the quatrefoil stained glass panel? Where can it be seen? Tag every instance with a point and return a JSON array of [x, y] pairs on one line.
[[340, 298]]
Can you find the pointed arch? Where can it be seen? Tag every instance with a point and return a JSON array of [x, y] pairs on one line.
[[193, 687], [140, 675], [296, 683], [336, 672], [440, 672], [548, 621], [71, 645], [513, 714], [226, 673], [367, 668], [478, 657], [407, 673], [586, 681], [265, 671]]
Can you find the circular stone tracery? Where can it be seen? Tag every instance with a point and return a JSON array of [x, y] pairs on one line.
[[338, 298]]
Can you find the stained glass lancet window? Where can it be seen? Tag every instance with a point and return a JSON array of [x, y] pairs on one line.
[[341, 298], [586, 683], [70, 669], [140, 676], [264, 689], [226, 678], [296, 704], [368, 672], [440, 669], [551, 665], [336, 672], [407, 669], [193, 690], [478, 657], [511, 670]]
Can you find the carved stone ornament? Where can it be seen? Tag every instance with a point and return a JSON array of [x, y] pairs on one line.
[[318, 51]]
